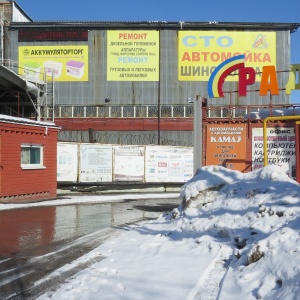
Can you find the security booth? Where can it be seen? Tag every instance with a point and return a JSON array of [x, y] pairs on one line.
[[28, 160]]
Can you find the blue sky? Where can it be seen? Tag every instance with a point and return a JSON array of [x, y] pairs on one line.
[[275, 11]]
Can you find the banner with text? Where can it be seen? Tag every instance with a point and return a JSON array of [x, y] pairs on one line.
[[200, 52], [280, 147], [133, 55], [64, 63], [95, 163], [67, 162], [226, 146], [168, 164], [129, 163]]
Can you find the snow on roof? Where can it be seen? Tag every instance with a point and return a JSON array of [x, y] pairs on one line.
[[24, 121], [264, 113]]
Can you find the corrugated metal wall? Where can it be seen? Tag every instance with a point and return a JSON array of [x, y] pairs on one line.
[[168, 91], [172, 91]]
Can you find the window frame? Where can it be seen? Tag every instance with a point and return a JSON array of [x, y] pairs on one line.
[[40, 164]]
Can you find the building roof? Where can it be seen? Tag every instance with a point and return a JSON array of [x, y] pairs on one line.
[[25, 121], [162, 25], [12, 81]]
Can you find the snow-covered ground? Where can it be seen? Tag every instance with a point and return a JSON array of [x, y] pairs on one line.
[[235, 236], [66, 199]]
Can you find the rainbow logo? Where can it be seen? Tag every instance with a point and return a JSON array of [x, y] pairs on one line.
[[218, 76]]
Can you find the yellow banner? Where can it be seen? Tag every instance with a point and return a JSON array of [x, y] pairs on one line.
[[133, 55], [66, 63], [200, 52]]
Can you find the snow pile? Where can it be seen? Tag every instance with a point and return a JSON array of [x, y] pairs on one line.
[[235, 236], [264, 113], [260, 212]]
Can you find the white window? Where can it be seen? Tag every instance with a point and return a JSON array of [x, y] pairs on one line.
[[31, 156]]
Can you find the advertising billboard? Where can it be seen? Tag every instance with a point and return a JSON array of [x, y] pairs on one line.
[[168, 164], [226, 146], [129, 163], [200, 52], [64, 63], [280, 146], [133, 55], [95, 163], [67, 162]]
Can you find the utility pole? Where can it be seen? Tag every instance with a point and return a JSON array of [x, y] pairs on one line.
[[197, 132]]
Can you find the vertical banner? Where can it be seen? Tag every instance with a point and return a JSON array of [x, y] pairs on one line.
[[64, 63], [168, 164], [133, 55], [226, 146], [67, 162], [280, 147], [129, 163], [95, 163], [200, 52]]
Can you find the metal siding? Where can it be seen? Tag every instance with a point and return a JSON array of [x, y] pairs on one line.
[[172, 91], [18, 16]]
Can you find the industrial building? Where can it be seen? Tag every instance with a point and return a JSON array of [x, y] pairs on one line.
[[134, 83]]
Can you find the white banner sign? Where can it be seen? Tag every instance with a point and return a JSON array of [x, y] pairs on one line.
[[168, 164], [129, 163], [95, 163], [280, 146], [67, 162]]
